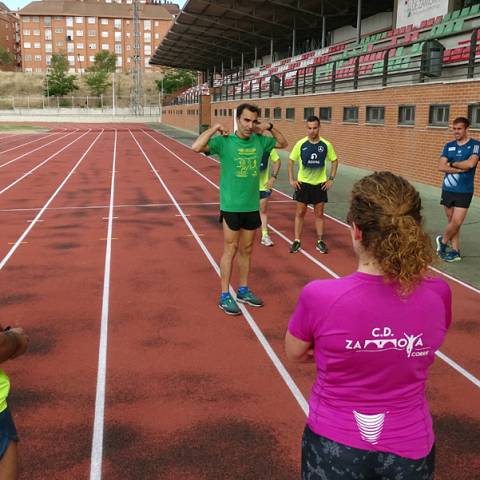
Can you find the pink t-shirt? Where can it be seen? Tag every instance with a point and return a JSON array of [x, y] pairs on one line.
[[373, 349]]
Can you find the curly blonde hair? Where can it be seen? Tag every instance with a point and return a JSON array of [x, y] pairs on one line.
[[387, 209]]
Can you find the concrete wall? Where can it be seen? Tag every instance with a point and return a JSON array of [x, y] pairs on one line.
[[376, 23]]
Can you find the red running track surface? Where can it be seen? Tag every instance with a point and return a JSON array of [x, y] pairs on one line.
[[189, 392]]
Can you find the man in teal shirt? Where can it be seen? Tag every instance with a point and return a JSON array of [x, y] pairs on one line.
[[240, 156]]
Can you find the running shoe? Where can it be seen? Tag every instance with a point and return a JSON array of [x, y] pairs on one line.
[[452, 256], [249, 298], [321, 246], [229, 306], [267, 241], [295, 247], [441, 247]]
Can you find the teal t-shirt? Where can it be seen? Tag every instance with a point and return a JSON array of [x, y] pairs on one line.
[[240, 170]]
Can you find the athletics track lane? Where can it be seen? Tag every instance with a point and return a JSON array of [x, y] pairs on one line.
[[189, 394], [52, 287], [457, 422], [24, 194], [22, 166]]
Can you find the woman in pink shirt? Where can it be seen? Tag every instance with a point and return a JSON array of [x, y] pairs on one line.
[[373, 336]]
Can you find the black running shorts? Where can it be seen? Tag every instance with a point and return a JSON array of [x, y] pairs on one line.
[[310, 194], [456, 199], [241, 220]]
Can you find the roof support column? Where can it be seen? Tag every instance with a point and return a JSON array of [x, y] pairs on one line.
[[294, 34], [359, 20], [222, 72], [256, 51], [271, 49], [243, 70], [324, 25]]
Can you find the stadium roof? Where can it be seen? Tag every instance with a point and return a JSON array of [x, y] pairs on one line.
[[208, 32], [94, 9]]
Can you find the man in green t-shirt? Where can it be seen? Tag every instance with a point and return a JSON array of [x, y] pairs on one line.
[[240, 156], [311, 153]]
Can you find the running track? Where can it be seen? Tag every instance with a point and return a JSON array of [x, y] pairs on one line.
[[108, 254]]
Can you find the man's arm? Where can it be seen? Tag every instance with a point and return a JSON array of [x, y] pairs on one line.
[[276, 134], [274, 175], [333, 173], [13, 343], [444, 166], [465, 164], [201, 143], [291, 178]]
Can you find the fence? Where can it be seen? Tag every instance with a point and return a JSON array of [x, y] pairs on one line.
[[85, 105]]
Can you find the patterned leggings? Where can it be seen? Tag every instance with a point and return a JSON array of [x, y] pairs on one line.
[[324, 459]]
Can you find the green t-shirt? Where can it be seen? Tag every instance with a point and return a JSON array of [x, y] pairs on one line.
[[265, 174], [4, 389], [322, 151], [239, 170]]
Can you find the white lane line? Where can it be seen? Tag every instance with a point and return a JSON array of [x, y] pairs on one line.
[[33, 151], [8, 187], [98, 425], [141, 205], [49, 201], [6, 140], [251, 322], [440, 272], [441, 355], [32, 141]]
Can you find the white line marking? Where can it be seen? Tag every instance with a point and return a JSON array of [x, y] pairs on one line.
[[97, 442], [251, 322], [90, 207], [440, 272], [441, 355], [36, 140], [41, 164], [32, 151], [49, 201]]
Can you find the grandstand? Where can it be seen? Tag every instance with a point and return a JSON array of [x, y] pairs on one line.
[[385, 81]]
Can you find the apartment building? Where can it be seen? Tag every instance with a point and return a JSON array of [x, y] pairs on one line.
[[9, 36], [81, 28]]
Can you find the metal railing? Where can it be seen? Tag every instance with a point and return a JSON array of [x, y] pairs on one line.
[[78, 105]]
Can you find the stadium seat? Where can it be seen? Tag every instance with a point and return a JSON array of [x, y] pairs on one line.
[[475, 9], [465, 12], [455, 14], [417, 48]]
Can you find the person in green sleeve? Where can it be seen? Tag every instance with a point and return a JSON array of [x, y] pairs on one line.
[[311, 153], [13, 343], [267, 181], [240, 157]]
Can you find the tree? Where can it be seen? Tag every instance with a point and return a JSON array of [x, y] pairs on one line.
[[97, 76], [6, 58], [174, 80], [58, 82]]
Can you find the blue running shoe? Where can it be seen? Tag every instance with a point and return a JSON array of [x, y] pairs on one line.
[[249, 298], [228, 305], [452, 256], [441, 247]]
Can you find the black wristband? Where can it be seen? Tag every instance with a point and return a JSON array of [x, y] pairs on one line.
[[270, 128]]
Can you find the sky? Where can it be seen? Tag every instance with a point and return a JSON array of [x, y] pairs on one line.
[[15, 4]]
